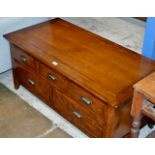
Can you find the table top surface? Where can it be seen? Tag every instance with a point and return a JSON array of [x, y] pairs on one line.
[[147, 87], [95, 63]]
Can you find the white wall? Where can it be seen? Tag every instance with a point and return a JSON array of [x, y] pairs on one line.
[[9, 24]]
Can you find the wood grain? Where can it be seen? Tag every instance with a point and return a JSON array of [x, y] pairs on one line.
[[95, 63], [88, 121], [84, 65]]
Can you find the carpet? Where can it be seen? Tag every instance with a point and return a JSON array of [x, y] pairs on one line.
[[20, 120]]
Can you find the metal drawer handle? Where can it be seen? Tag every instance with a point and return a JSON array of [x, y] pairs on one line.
[[78, 115], [86, 100], [52, 77], [31, 82], [23, 59]]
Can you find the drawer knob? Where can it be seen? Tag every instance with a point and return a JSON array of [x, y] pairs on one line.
[[31, 82], [85, 100], [23, 59], [52, 77], [78, 115]]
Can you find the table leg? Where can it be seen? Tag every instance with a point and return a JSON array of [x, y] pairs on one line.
[[15, 79], [136, 113], [135, 127]]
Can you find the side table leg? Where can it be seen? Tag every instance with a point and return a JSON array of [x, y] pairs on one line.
[[135, 127], [136, 113]]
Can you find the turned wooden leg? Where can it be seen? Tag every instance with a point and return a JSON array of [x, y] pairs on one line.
[[136, 113], [135, 127]]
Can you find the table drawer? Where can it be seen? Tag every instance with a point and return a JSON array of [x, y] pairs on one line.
[[43, 89], [26, 79], [53, 77], [23, 57], [86, 99], [85, 120], [33, 83]]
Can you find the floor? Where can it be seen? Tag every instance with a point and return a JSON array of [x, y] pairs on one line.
[[19, 120], [127, 32]]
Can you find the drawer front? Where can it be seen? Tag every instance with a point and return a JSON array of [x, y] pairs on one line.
[[43, 89], [36, 85], [23, 57], [26, 79], [53, 77], [85, 120], [86, 100]]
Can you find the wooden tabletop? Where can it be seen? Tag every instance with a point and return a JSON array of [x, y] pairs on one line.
[[147, 87], [95, 63]]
